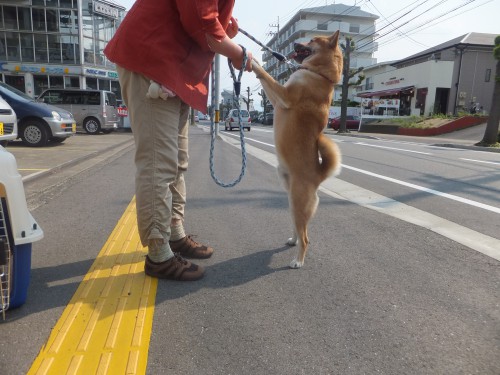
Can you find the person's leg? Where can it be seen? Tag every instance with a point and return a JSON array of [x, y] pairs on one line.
[[154, 125], [179, 241]]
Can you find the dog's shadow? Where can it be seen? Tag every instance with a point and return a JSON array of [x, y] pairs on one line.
[[226, 274]]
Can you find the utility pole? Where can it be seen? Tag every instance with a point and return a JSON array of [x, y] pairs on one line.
[[345, 86], [217, 89], [277, 26], [248, 98]]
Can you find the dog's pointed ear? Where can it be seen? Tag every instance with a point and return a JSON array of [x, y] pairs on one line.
[[334, 39]]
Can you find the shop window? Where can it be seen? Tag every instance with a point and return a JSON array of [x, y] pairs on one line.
[[16, 82], [10, 18], [104, 84], [1, 18], [91, 83], [41, 83], [24, 16], [38, 2], [71, 82], [56, 82]]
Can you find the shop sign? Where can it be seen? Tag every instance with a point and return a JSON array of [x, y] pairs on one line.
[[41, 69], [393, 81], [386, 103], [113, 75], [105, 9], [96, 72]]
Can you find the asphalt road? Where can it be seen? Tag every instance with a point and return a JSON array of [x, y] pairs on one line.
[[377, 294]]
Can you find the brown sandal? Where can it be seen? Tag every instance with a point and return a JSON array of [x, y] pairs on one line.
[[175, 268]]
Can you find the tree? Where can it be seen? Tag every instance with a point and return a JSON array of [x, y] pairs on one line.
[[492, 127], [347, 74]]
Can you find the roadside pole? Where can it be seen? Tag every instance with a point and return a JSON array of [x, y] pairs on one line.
[[216, 96]]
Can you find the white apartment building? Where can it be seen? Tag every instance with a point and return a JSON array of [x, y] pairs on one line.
[[325, 20]]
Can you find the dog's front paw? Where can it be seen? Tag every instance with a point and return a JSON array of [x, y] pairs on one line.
[[292, 241], [295, 264]]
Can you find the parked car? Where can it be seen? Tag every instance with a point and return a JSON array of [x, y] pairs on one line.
[[232, 120], [352, 122], [93, 110], [8, 123], [260, 118], [268, 119], [38, 123]]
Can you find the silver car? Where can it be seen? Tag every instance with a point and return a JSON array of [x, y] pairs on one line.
[[232, 120]]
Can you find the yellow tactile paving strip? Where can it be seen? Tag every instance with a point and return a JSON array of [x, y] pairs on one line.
[[106, 327]]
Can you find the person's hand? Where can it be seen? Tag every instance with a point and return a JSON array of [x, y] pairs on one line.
[[232, 28]]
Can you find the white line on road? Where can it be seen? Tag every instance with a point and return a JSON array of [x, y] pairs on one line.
[[427, 190], [391, 148], [340, 189], [481, 161]]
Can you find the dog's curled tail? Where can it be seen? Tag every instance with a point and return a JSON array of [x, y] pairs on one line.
[[330, 157]]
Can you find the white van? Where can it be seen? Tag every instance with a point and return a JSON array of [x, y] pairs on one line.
[[93, 110]]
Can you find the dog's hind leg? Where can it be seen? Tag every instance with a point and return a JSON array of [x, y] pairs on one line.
[[303, 203], [285, 180]]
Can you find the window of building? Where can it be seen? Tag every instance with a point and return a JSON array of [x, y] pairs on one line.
[[55, 51], [51, 3], [3, 50], [16, 82], [27, 48], [52, 18], [92, 83], [71, 82], [10, 18], [13, 47], [41, 50], [104, 84], [354, 28], [38, 19], [487, 76], [66, 4], [41, 82], [24, 15], [56, 82], [38, 2], [323, 26]]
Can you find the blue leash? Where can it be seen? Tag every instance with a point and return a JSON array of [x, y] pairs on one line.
[[236, 99]]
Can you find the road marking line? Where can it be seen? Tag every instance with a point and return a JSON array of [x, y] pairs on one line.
[[106, 327], [340, 189], [392, 148], [481, 161], [427, 190]]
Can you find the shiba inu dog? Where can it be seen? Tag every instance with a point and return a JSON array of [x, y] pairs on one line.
[[306, 156]]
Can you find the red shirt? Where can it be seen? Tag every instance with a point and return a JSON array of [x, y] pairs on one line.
[[165, 40]]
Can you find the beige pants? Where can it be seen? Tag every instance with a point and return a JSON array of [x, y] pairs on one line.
[[160, 129]]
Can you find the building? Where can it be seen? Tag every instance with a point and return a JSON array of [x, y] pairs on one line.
[[58, 43], [325, 20], [451, 77]]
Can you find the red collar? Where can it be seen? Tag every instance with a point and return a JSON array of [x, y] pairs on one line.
[[321, 75]]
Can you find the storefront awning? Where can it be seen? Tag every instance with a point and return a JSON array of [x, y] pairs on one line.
[[395, 91]]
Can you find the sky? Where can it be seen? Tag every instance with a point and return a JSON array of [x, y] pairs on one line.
[[429, 23]]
